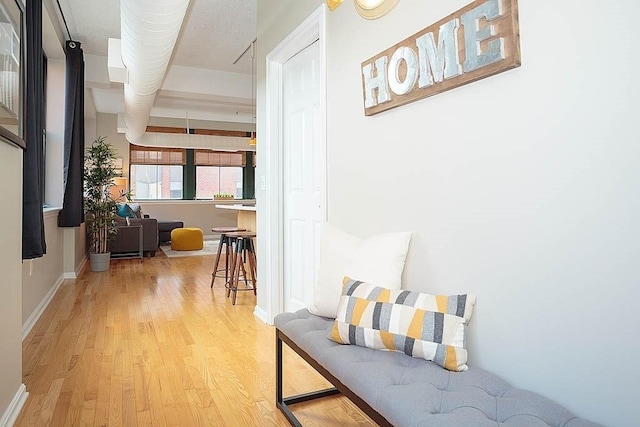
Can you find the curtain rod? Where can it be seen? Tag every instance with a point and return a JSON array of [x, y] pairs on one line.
[[64, 20]]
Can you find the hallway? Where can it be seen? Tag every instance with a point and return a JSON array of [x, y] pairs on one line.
[[152, 344]]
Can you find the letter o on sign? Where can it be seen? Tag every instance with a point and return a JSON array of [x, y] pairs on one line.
[[407, 55]]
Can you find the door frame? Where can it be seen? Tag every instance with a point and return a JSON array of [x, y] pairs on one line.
[[312, 29]]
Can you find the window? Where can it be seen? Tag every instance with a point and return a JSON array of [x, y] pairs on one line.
[[182, 173], [218, 172], [43, 113], [212, 180], [157, 173]]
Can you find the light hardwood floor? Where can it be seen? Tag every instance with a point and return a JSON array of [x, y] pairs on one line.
[[151, 344]]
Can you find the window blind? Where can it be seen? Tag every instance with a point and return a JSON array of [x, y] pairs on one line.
[[219, 158], [139, 155]]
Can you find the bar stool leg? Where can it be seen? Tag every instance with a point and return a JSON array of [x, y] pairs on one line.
[[252, 265], [236, 270], [222, 241], [243, 260], [231, 259]]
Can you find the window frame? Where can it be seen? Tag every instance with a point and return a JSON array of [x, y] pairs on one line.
[[190, 159]]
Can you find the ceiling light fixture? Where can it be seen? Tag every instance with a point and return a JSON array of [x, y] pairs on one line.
[[333, 4], [369, 9], [374, 9]]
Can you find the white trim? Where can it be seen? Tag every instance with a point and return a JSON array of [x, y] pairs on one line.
[[47, 212], [71, 275], [31, 321], [313, 28], [15, 406], [262, 315]]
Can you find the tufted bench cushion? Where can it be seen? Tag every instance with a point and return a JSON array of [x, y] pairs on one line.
[[414, 392]]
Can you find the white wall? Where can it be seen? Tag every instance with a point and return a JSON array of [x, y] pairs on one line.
[[10, 290], [521, 188], [90, 118], [41, 276], [107, 126], [80, 249], [193, 213]]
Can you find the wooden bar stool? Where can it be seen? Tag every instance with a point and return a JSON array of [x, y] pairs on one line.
[[246, 248], [227, 242]]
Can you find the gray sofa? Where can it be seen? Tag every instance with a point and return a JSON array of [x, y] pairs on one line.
[[126, 241], [399, 390], [165, 228]]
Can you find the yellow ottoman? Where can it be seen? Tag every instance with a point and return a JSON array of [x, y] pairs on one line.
[[187, 239]]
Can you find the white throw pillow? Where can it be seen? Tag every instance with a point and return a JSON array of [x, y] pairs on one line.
[[378, 260]]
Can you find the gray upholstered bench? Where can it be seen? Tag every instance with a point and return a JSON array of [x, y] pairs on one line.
[[399, 390]]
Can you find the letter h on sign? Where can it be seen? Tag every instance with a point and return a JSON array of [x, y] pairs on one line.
[[379, 82]]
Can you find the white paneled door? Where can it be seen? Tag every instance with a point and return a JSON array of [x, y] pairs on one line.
[[304, 175]]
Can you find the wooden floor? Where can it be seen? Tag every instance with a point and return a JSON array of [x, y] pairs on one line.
[[151, 344]]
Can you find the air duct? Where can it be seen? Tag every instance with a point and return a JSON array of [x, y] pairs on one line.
[[149, 30]]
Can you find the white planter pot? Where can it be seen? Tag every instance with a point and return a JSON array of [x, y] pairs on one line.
[[100, 262]]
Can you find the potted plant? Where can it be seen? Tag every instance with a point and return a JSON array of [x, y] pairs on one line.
[[99, 206]]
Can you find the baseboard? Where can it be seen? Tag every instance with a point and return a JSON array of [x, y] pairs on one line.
[[262, 315], [15, 406], [75, 274], [31, 321]]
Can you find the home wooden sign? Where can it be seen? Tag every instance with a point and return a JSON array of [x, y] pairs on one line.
[[475, 42]]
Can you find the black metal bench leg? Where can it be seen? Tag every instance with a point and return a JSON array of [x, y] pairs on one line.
[[282, 403]]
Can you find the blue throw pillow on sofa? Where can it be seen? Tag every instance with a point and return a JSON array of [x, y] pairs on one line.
[[124, 210], [135, 209]]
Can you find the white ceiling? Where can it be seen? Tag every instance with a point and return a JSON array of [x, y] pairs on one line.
[[201, 82]]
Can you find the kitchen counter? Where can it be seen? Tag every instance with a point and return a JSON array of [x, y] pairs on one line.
[[246, 215], [249, 208]]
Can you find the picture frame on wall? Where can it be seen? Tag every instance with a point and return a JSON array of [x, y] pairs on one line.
[[11, 73]]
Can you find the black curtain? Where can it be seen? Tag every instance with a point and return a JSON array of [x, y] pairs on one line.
[[33, 239], [71, 214]]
